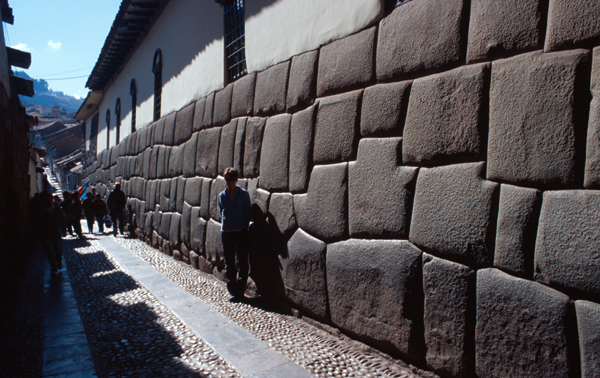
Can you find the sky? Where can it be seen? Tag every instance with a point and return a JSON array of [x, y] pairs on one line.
[[64, 38]]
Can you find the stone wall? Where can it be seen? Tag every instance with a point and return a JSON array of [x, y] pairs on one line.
[[427, 185]]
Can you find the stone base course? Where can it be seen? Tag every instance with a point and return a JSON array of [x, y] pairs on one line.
[[522, 328], [375, 292]]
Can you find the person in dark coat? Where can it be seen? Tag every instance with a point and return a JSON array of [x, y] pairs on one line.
[[48, 231], [100, 212], [88, 209], [116, 204]]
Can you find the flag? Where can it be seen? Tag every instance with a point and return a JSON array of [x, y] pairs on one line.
[[83, 190]]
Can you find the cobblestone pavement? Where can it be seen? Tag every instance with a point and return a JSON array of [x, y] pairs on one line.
[[132, 334]]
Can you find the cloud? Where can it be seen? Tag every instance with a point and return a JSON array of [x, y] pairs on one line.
[[22, 47], [54, 45]]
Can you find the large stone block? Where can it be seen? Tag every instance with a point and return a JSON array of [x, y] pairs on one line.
[[181, 183], [193, 191], [183, 124], [222, 111], [252, 148], [214, 247], [226, 146], [302, 81], [336, 129], [301, 140], [146, 162], [175, 230], [164, 194], [303, 273], [375, 291], [189, 156], [453, 213], [347, 63], [205, 204], [173, 195], [154, 162], [218, 185], [446, 117], [522, 328], [536, 134], [258, 197], [281, 208], [384, 109], [198, 121], [186, 224], [322, 210], [159, 131], [238, 148], [150, 135], [380, 190], [518, 215], [274, 155], [505, 27], [592, 156], [169, 132], [572, 23], [242, 98], [567, 248], [197, 231], [152, 187], [208, 110], [176, 161], [449, 316], [207, 152], [165, 225], [421, 36], [162, 163], [588, 321], [271, 88]]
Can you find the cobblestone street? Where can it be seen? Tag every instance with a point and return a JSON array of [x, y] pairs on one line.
[[132, 333]]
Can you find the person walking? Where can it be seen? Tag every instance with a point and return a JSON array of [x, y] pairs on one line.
[[100, 212], [48, 231], [234, 208], [116, 204], [76, 212], [88, 209]]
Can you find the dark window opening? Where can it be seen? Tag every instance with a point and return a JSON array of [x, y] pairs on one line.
[[93, 138], [133, 93], [157, 69], [107, 129], [118, 119], [235, 41]]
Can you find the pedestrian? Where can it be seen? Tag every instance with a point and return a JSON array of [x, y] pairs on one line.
[[88, 209], [116, 204], [100, 212], [48, 232], [76, 212], [234, 208], [66, 208]]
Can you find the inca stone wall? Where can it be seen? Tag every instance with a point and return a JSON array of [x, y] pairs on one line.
[[427, 185]]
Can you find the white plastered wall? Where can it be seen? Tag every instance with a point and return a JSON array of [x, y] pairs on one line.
[[285, 28], [190, 36]]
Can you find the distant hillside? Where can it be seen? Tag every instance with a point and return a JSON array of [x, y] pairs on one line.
[[46, 97]]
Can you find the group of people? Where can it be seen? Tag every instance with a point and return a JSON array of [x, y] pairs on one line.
[[55, 217], [52, 218]]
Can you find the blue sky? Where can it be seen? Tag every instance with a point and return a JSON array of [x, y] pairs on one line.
[[64, 38]]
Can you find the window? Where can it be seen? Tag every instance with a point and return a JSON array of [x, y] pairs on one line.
[[133, 93], [157, 69], [118, 119], [107, 129], [235, 43], [94, 137]]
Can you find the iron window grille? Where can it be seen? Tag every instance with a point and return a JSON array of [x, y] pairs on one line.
[[157, 69], [133, 93], [118, 119], [107, 129], [235, 42]]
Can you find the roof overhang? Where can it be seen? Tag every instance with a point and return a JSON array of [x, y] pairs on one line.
[[132, 23], [90, 104]]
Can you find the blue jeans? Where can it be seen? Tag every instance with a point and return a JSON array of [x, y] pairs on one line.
[[100, 220], [236, 243]]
